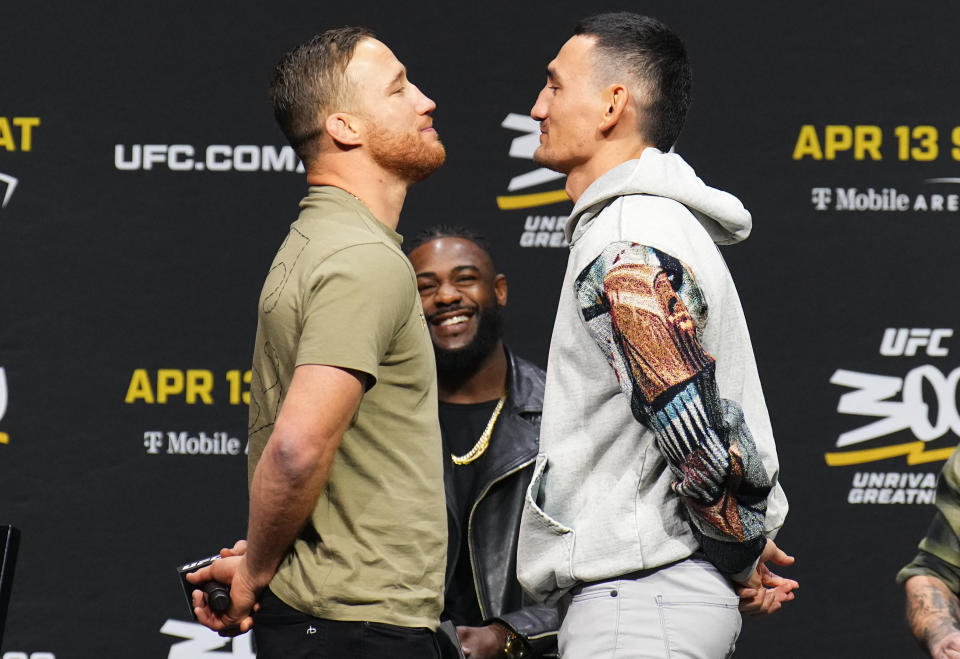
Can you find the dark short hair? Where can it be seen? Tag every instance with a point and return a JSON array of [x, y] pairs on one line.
[[654, 56], [450, 231], [310, 83]]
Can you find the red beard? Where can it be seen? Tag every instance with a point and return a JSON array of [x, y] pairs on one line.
[[409, 155]]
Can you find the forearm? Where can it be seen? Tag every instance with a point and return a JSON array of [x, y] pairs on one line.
[[933, 611], [688, 440], [285, 489]]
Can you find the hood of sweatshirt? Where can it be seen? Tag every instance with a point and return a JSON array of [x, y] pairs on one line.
[[663, 175]]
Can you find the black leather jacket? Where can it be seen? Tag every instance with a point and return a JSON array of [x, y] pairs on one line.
[[494, 523]]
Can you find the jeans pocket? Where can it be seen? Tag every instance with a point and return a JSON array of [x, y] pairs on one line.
[[716, 619], [596, 591]]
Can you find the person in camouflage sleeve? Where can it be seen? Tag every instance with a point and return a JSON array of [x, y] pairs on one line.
[[932, 579]]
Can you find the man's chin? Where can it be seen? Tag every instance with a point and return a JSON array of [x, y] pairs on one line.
[[424, 163], [541, 157], [433, 157], [452, 344], [410, 157], [464, 360], [471, 353]]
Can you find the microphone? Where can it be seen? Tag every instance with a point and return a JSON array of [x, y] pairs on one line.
[[218, 594]]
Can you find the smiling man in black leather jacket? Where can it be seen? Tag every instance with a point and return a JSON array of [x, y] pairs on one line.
[[490, 406]]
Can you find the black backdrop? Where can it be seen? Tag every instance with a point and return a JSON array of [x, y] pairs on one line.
[[144, 190]]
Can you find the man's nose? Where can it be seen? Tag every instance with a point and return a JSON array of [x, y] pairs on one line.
[[426, 105], [447, 294], [539, 109]]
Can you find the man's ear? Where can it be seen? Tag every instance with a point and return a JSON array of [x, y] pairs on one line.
[[344, 128], [615, 100], [500, 289]]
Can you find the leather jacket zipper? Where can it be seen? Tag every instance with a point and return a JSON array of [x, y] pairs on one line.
[[473, 567]]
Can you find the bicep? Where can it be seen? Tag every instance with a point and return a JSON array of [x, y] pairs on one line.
[[320, 402]]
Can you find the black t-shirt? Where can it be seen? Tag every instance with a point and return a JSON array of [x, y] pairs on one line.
[[461, 427]]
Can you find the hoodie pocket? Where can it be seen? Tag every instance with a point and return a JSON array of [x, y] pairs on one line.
[[545, 552]]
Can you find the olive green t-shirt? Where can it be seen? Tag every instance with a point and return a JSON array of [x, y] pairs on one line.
[[341, 293]]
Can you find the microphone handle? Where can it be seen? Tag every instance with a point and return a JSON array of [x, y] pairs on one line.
[[218, 596]]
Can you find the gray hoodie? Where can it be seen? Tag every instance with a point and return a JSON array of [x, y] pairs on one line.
[[655, 441]]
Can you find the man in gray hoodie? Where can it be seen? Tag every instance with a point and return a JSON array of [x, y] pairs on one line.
[[655, 495]]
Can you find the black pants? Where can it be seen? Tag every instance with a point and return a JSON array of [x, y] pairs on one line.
[[285, 633]]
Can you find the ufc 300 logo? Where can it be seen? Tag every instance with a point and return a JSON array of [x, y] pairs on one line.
[[875, 395]]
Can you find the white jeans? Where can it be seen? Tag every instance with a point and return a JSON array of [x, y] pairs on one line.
[[687, 610]]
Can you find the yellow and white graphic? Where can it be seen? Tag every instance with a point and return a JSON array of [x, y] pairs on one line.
[[524, 147], [16, 134], [927, 407], [905, 144]]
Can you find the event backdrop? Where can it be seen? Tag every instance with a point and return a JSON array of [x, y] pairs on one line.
[[144, 190]]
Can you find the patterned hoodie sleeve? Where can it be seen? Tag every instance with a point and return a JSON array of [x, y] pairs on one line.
[[646, 312], [939, 551]]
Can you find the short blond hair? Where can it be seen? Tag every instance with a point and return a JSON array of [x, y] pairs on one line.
[[310, 83]]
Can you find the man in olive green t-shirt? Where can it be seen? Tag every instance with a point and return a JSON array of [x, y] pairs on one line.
[[346, 539]]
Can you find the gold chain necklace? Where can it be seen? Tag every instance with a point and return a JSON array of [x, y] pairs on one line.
[[481, 446]]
